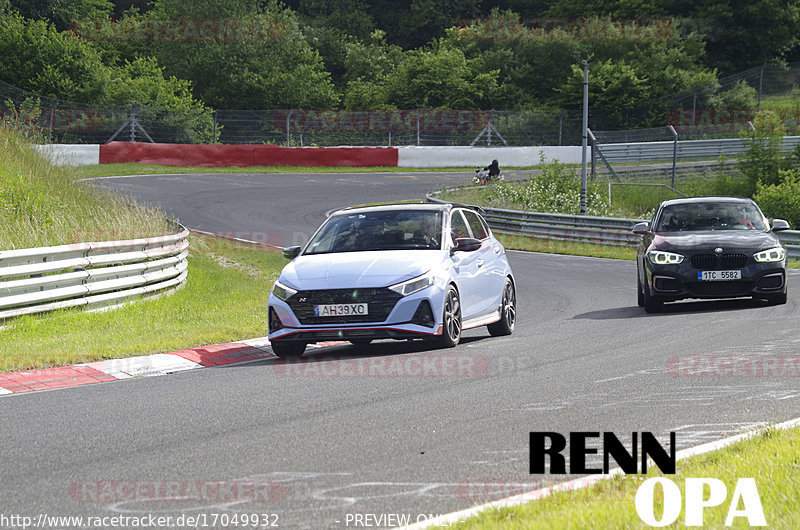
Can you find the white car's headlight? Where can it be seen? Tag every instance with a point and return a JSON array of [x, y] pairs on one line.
[[413, 285], [771, 255], [659, 257], [282, 292]]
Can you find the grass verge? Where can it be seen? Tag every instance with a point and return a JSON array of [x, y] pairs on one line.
[[772, 458], [551, 246], [41, 206], [224, 299]]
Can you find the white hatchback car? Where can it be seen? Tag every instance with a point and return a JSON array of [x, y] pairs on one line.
[[400, 271]]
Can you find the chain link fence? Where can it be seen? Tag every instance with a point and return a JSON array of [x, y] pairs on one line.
[[721, 110]]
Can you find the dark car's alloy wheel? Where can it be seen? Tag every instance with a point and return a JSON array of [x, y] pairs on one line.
[[451, 321], [288, 349], [508, 312]]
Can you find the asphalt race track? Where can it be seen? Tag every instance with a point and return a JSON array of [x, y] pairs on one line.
[[392, 428]]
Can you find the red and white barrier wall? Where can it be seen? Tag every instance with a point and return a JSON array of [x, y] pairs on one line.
[[273, 155]]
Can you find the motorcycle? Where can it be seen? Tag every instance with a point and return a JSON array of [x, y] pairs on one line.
[[482, 177]]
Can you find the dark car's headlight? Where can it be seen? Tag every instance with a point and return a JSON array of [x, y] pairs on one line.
[[659, 257], [771, 255], [282, 292], [413, 285]]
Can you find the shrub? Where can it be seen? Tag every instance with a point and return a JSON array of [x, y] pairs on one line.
[[782, 200], [764, 158], [555, 189]]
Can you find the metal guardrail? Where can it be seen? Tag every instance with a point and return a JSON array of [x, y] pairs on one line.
[[562, 227], [686, 149], [95, 274], [790, 239], [613, 231]]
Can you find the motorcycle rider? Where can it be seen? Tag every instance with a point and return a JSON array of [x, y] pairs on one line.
[[493, 169]]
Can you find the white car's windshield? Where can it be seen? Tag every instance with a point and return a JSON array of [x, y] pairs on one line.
[[379, 230], [697, 217]]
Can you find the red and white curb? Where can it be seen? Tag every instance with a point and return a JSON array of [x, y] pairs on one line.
[[453, 518], [142, 366]]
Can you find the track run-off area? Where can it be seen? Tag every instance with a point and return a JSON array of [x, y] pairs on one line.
[[394, 427]]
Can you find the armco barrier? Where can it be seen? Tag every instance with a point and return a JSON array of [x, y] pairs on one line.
[[562, 227], [245, 155], [686, 149], [42, 279], [583, 228]]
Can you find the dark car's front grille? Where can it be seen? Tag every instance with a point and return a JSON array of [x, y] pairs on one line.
[[719, 262], [380, 302], [729, 288]]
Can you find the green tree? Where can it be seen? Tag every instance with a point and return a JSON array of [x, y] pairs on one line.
[[367, 66], [413, 23], [602, 8], [440, 77], [270, 66], [742, 33], [43, 60], [61, 12], [348, 17], [764, 160], [613, 85], [536, 64], [781, 200], [530, 67], [57, 64], [740, 97]]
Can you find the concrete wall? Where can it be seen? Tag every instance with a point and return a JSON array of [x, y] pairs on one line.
[[71, 155], [482, 156]]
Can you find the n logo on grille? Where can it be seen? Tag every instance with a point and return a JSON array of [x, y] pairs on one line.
[[718, 250]]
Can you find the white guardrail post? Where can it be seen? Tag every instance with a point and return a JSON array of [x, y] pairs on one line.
[[42, 279], [581, 228]]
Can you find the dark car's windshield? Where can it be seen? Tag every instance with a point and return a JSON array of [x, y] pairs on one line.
[[379, 230], [698, 217]]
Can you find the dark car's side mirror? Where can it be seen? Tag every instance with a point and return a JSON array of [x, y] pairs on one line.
[[641, 228], [466, 244], [291, 252], [779, 225]]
